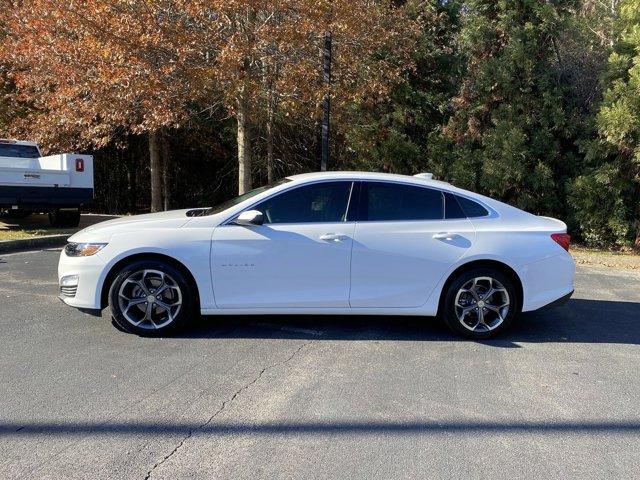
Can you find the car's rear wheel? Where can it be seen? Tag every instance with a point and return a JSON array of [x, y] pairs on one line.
[[151, 298], [480, 303]]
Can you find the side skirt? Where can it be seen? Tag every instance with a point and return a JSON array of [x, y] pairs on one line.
[[418, 312]]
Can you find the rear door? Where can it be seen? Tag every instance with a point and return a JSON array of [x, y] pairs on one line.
[[403, 245]]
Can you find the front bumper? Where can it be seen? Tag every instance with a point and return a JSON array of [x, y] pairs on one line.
[[89, 271], [94, 312]]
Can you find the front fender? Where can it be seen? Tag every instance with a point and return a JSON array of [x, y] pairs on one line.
[[189, 248]]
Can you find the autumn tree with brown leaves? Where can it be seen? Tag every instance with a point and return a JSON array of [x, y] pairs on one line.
[[93, 68], [267, 56]]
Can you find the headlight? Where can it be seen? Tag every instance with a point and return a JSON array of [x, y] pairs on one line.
[[83, 249]]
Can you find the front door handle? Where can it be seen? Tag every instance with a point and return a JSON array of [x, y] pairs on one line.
[[445, 236], [332, 237]]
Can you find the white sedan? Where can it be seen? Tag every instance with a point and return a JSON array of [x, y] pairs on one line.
[[324, 243]]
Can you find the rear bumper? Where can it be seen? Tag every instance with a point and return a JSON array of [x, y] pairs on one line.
[[33, 197], [559, 302], [547, 281]]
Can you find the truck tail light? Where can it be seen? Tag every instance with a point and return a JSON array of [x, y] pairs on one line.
[[562, 239], [79, 165]]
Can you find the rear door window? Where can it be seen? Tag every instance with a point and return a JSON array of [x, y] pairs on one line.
[[452, 208], [383, 201]]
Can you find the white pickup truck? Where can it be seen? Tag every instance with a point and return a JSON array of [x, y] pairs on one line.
[[59, 185]]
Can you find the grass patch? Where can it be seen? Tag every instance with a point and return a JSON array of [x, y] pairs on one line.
[[592, 257], [19, 234], [596, 251]]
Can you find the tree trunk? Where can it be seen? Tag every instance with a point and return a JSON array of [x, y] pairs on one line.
[[637, 202], [244, 147], [270, 163], [166, 172], [133, 172], [326, 102], [156, 171]]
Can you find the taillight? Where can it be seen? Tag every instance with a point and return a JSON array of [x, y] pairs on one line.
[[79, 165], [562, 239]]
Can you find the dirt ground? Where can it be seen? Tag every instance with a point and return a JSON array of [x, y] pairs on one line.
[[600, 258]]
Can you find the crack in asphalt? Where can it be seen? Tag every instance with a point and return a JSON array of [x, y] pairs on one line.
[[140, 400], [229, 401]]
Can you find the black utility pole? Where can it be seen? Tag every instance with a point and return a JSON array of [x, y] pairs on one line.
[[326, 104]]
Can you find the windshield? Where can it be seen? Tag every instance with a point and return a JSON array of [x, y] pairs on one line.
[[18, 151], [245, 196]]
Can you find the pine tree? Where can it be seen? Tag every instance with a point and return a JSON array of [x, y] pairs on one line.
[[510, 133], [395, 135], [607, 196]]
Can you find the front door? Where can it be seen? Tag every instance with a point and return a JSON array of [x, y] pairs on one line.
[[299, 257]]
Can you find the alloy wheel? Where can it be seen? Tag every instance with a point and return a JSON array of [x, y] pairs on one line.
[[149, 299], [482, 304]]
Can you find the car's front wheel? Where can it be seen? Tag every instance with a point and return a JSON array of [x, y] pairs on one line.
[[151, 298], [480, 303]]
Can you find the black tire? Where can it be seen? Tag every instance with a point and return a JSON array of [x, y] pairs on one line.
[[64, 218], [126, 287], [452, 311]]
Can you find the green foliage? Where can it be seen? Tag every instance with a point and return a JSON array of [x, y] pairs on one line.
[[533, 102], [606, 197], [393, 135], [511, 126]]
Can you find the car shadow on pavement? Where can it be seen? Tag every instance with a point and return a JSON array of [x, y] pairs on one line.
[[220, 429], [579, 321]]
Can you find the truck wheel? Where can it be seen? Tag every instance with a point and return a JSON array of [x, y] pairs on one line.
[[64, 218]]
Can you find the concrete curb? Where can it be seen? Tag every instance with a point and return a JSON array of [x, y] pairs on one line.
[[34, 243]]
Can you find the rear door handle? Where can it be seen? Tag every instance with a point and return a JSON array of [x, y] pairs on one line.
[[445, 236], [332, 237]]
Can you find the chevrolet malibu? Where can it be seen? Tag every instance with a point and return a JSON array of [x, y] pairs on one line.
[[324, 243]]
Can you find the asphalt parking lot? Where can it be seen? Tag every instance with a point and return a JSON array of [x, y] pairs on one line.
[[318, 397]]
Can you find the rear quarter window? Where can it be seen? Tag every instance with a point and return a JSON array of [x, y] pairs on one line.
[[471, 209]]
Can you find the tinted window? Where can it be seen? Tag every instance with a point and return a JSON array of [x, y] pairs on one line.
[[320, 202], [243, 197], [472, 209], [18, 151], [452, 208], [388, 201]]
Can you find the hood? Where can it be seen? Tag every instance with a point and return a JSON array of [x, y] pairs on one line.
[[102, 231]]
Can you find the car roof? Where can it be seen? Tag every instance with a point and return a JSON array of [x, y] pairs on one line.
[[423, 180], [389, 177], [495, 207]]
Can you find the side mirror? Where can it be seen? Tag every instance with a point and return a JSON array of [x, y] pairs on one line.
[[250, 218]]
